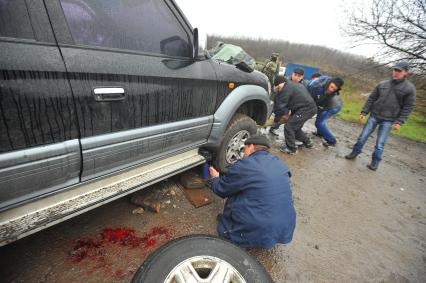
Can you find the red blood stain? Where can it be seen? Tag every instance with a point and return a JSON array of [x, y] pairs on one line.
[[94, 249], [149, 243], [122, 236]]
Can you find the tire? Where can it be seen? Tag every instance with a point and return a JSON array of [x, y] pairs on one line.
[[231, 149], [201, 258]]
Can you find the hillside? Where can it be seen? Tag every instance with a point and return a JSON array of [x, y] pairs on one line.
[[360, 74], [363, 73]]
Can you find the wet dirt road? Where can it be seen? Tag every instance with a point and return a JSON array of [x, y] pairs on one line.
[[353, 225]]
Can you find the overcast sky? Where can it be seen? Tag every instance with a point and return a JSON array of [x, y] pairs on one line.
[[298, 21]]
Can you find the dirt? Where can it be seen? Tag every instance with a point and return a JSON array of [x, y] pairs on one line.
[[353, 224]]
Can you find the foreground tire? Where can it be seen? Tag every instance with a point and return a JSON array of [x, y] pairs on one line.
[[201, 258], [231, 149]]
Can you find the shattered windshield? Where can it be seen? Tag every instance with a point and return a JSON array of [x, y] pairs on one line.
[[233, 54]]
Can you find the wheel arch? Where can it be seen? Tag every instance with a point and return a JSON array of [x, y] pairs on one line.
[[250, 100]]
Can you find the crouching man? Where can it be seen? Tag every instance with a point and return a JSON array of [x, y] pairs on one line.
[[259, 210]]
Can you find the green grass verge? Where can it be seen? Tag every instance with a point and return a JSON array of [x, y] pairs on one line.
[[414, 128]]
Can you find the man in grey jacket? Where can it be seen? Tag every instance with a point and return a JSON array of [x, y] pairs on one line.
[[389, 106]]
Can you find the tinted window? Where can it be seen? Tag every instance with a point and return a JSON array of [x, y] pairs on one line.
[[143, 25], [14, 19]]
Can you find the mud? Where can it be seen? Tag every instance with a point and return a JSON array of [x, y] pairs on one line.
[[353, 224]]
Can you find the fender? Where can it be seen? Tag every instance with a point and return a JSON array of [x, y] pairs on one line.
[[231, 104]]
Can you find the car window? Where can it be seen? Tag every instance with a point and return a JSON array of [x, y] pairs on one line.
[[14, 19], [142, 25]]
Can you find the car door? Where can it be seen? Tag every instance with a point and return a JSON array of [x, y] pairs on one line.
[[39, 148], [140, 96]]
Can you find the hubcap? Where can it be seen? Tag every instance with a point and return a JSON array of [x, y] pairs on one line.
[[235, 149], [204, 269]]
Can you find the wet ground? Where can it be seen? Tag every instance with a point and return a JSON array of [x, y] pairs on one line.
[[353, 225]]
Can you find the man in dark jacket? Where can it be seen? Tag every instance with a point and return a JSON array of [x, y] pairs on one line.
[[294, 104], [259, 210], [297, 77], [325, 92], [389, 105]]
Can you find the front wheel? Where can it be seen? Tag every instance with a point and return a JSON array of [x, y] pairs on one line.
[[201, 258], [231, 149]]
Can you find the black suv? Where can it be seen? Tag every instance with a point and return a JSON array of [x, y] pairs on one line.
[[101, 98]]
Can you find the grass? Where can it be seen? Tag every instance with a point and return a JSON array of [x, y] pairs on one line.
[[414, 128]]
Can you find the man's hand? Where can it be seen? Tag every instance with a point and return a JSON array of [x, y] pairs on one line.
[[213, 172], [396, 127], [285, 117], [362, 118]]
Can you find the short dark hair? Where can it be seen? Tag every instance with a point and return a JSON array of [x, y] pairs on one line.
[[279, 79], [316, 75], [338, 82]]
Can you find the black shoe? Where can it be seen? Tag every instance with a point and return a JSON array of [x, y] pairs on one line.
[[287, 150], [308, 144], [373, 165], [274, 131], [327, 144], [351, 155]]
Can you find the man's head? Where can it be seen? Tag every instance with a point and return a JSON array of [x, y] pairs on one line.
[[256, 143], [297, 75], [334, 85], [315, 76], [279, 82], [401, 70]]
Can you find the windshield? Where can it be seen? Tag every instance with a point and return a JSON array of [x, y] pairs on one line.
[[232, 54]]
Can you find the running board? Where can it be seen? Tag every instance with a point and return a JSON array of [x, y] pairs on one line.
[[31, 217]]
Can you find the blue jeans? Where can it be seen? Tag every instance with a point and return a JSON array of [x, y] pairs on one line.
[[383, 133], [321, 124]]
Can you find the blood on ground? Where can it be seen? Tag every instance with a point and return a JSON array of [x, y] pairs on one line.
[[126, 237]]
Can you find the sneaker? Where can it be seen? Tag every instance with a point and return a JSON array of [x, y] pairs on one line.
[[308, 144], [351, 155], [287, 150], [373, 165], [274, 131], [327, 144]]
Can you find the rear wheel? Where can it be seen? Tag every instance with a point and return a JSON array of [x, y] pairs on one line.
[[231, 149], [201, 258]]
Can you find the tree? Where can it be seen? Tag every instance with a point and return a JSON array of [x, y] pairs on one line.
[[398, 26]]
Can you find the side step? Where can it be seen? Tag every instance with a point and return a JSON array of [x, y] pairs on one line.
[[29, 218]]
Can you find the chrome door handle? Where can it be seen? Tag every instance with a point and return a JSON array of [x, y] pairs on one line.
[[108, 93]]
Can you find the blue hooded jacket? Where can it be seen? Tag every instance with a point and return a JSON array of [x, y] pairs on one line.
[[317, 89], [259, 210]]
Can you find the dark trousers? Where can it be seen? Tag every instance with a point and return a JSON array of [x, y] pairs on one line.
[[293, 128]]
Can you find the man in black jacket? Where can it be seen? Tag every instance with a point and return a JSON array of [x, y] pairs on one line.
[[389, 106], [293, 103]]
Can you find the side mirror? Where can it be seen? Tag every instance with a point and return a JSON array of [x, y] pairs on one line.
[[200, 44], [195, 53], [175, 46]]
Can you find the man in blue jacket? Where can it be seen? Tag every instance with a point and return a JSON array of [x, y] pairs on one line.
[[389, 105], [325, 92], [259, 210]]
